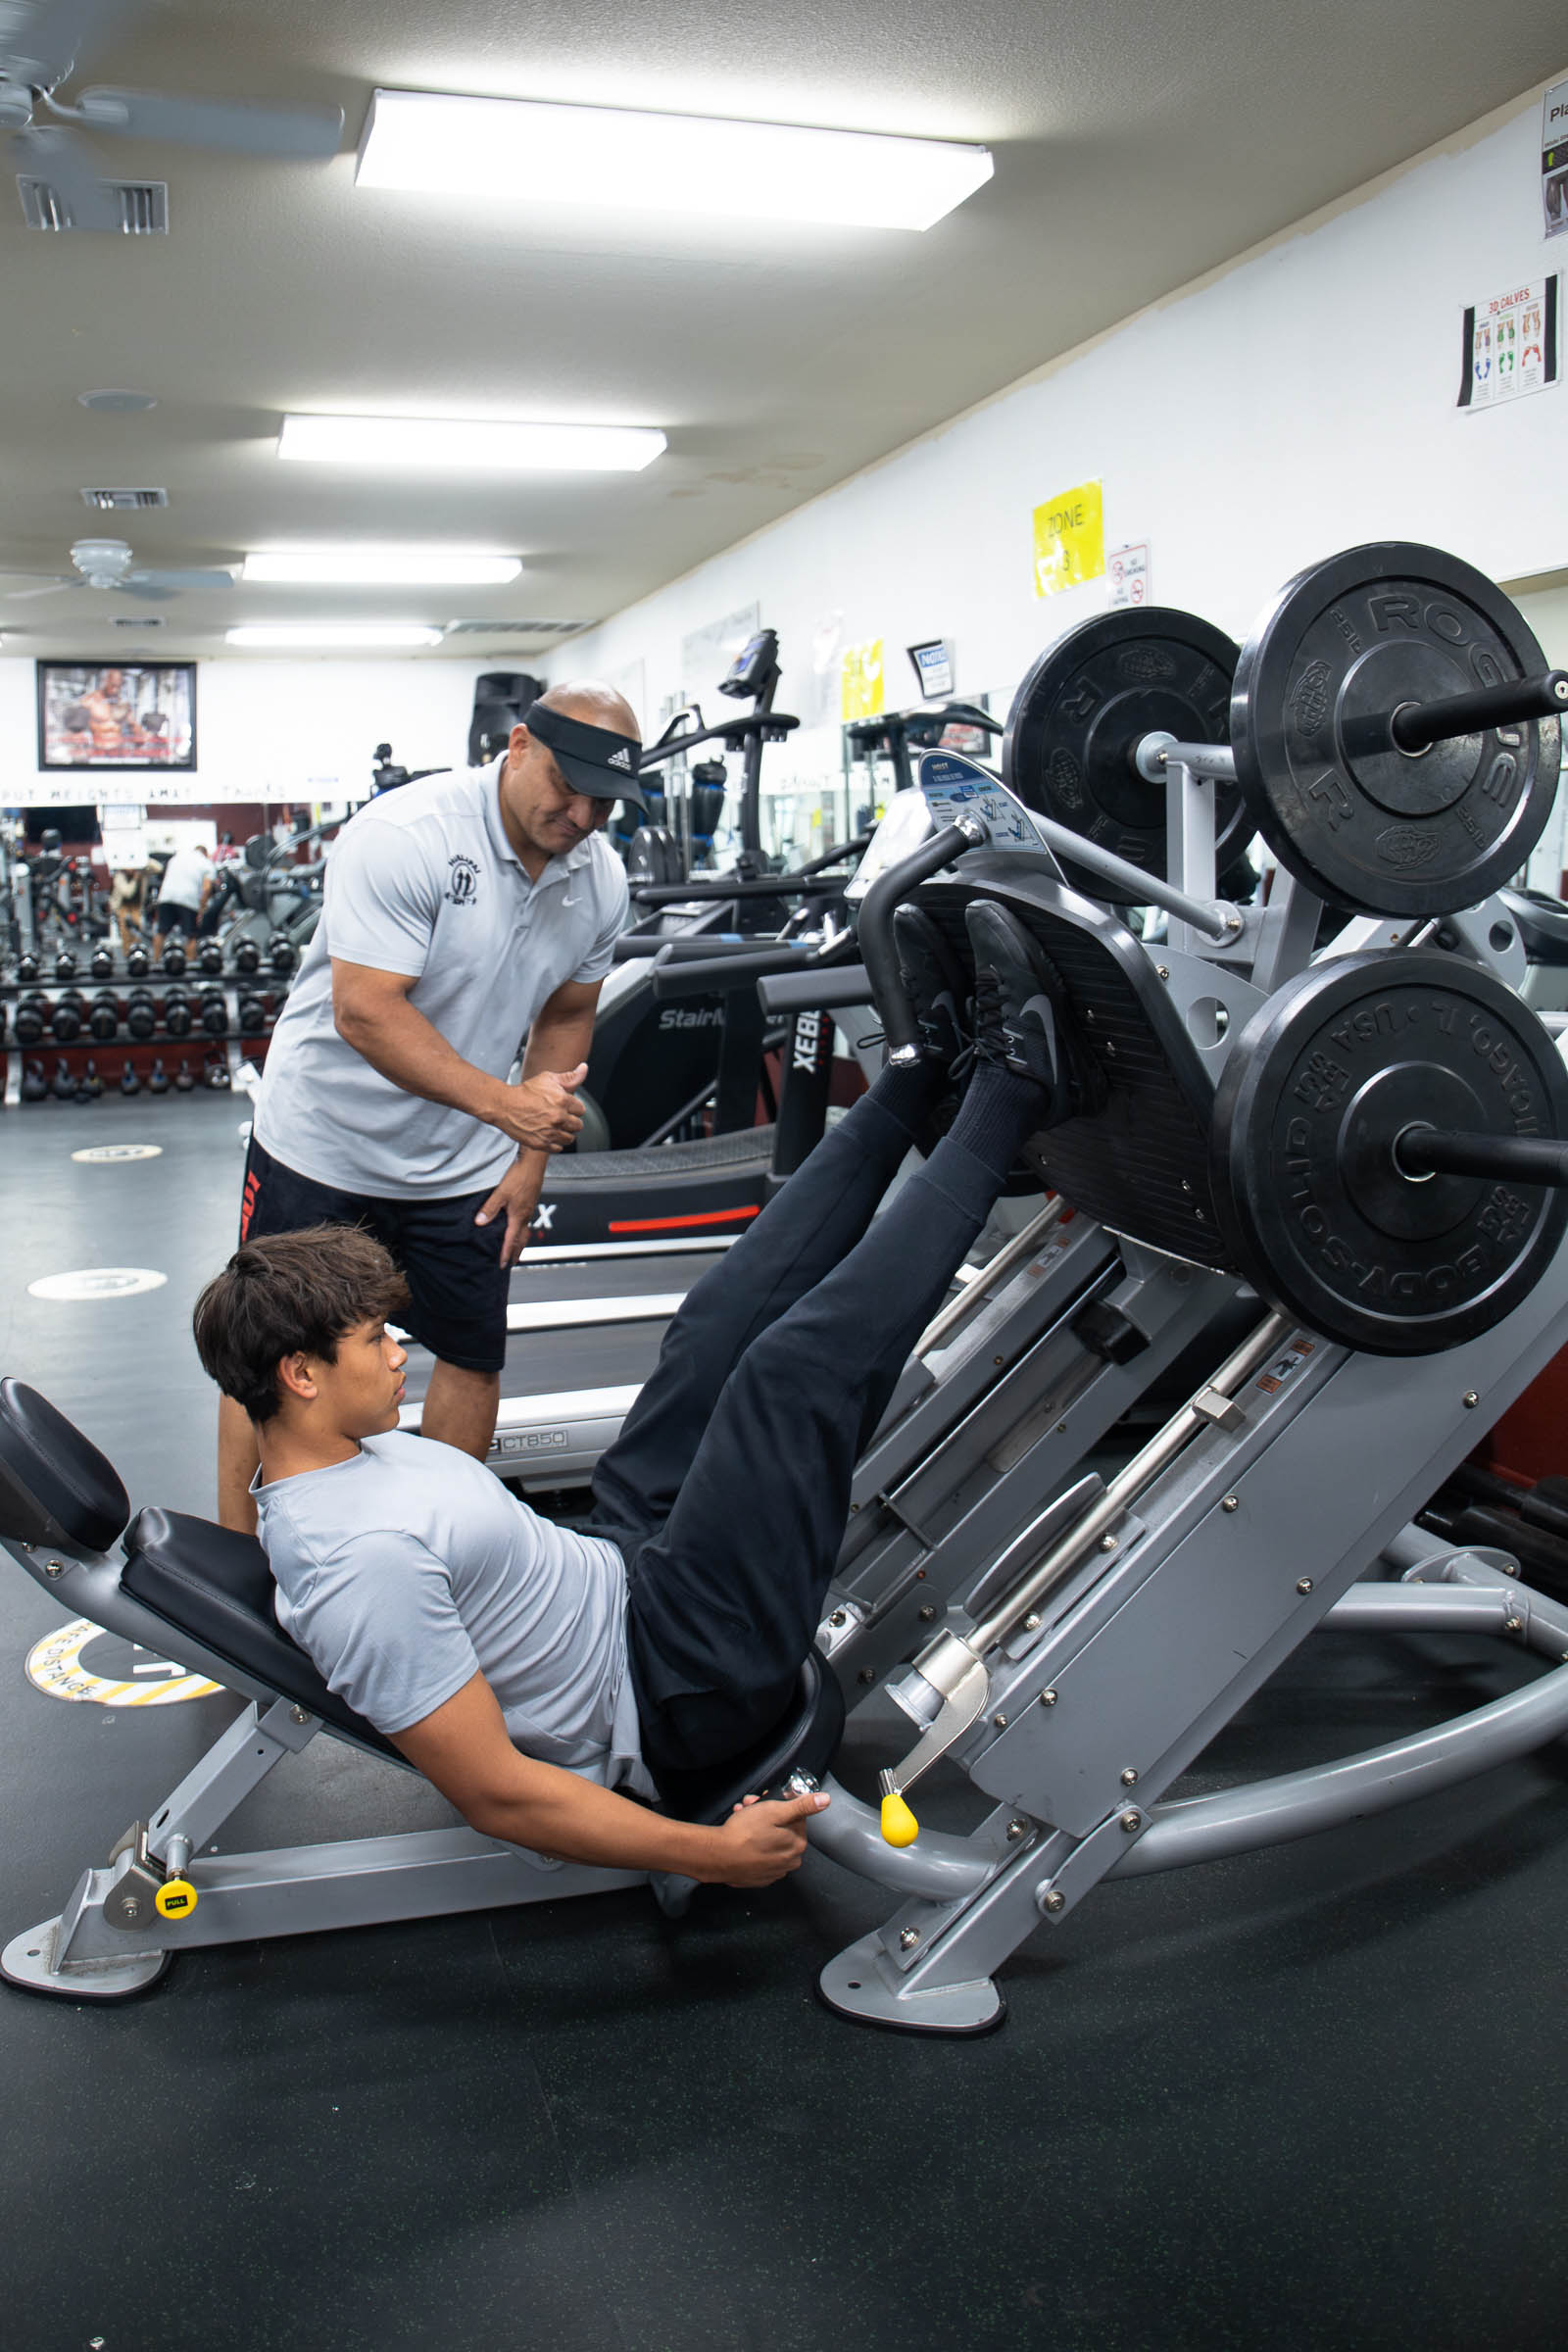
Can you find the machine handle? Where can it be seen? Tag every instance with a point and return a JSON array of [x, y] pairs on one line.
[[1422, 1151], [703, 975], [1414, 726], [874, 927], [789, 993]]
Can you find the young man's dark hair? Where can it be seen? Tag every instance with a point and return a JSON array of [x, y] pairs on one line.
[[290, 1293]]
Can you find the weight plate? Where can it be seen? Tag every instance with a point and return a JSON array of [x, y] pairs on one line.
[[1318, 1087], [1342, 647], [1084, 707]]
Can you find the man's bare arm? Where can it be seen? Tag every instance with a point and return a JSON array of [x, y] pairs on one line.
[[463, 1747], [372, 1014]]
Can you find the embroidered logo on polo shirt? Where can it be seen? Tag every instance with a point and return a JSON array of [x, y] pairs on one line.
[[462, 886], [621, 758]]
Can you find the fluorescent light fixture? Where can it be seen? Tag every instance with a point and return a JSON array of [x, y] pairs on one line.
[[471, 445], [520, 150], [381, 566], [297, 635]]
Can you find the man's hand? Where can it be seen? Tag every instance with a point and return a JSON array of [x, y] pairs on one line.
[[764, 1840], [543, 1113], [518, 1196]]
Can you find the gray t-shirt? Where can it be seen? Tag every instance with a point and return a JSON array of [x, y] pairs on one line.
[[423, 881], [408, 1568]]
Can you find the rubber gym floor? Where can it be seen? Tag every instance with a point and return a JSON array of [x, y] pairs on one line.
[[1312, 2097]]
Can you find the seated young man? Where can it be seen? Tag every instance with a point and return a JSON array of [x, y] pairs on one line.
[[533, 1674]]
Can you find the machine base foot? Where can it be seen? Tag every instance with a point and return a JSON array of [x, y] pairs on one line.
[[28, 1962], [860, 1984]]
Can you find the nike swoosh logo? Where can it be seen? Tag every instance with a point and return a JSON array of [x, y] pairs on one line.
[[1045, 1013]]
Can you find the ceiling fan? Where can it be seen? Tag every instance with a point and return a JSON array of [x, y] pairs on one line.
[[41, 45], [107, 563]]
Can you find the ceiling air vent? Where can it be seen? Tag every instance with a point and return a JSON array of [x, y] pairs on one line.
[[143, 206], [119, 502], [513, 628], [135, 621]]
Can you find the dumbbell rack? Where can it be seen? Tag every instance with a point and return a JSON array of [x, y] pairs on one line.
[[236, 1040]]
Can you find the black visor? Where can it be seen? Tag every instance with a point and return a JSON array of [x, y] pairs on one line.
[[592, 759]]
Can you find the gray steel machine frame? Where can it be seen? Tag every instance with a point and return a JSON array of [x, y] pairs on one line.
[[1111, 1641]]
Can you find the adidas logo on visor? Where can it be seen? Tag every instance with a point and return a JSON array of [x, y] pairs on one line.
[[621, 758]]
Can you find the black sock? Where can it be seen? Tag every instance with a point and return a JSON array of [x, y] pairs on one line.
[[907, 1091], [999, 1111]]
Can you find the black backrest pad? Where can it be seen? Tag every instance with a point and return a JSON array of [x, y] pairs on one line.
[[217, 1585], [53, 1483], [1140, 1164]]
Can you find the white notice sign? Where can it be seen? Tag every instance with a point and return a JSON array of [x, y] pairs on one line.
[[1127, 571]]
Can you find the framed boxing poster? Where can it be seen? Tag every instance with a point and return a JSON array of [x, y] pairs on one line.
[[137, 714]]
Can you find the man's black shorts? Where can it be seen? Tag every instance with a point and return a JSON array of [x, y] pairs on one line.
[[457, 1282], [171, 918]]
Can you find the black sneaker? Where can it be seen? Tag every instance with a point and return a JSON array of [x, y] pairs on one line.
[[934, 979], [1023, 1016]]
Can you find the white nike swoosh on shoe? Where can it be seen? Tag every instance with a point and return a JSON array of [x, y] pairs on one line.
[[1046, 1012]]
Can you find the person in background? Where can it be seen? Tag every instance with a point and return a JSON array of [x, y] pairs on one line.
[[182, 894], [124, 904]]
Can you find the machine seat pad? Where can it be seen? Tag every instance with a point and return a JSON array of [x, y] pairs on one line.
[[805, 1740], [218, 1587], [54, 1484]]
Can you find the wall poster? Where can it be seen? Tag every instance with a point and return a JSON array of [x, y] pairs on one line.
[[1510, 345], [1554, 160]]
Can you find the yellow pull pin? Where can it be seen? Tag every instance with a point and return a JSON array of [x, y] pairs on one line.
[[899, 1825], [175, 1898]]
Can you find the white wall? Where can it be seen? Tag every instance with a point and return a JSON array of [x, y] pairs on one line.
[[267, 730], [1299, 403]]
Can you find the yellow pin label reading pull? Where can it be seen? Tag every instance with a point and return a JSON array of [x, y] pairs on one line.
[[899, 1825], [175, 1899]]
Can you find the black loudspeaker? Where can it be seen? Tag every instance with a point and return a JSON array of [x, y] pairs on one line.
[[500, 698]]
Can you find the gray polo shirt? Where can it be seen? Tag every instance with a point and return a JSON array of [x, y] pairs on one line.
[[408, 1568], [424, 881]]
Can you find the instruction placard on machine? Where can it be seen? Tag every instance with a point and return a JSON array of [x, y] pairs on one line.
[[952, 787]]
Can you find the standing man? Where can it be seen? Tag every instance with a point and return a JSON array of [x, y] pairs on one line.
[[182, 894], [460, 913]]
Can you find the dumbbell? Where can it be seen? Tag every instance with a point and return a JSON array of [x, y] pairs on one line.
[[138, 964], [141, 1015], [247, 956], [102, 965], [26, 967], [33, 1011], [210, 957], [64, 966], [103, 1016], [34, 1085], [284, 957], [218, 1075], [174, 960], [66, 1017], [213, 1012], [178, 1015], [252, 1014]]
